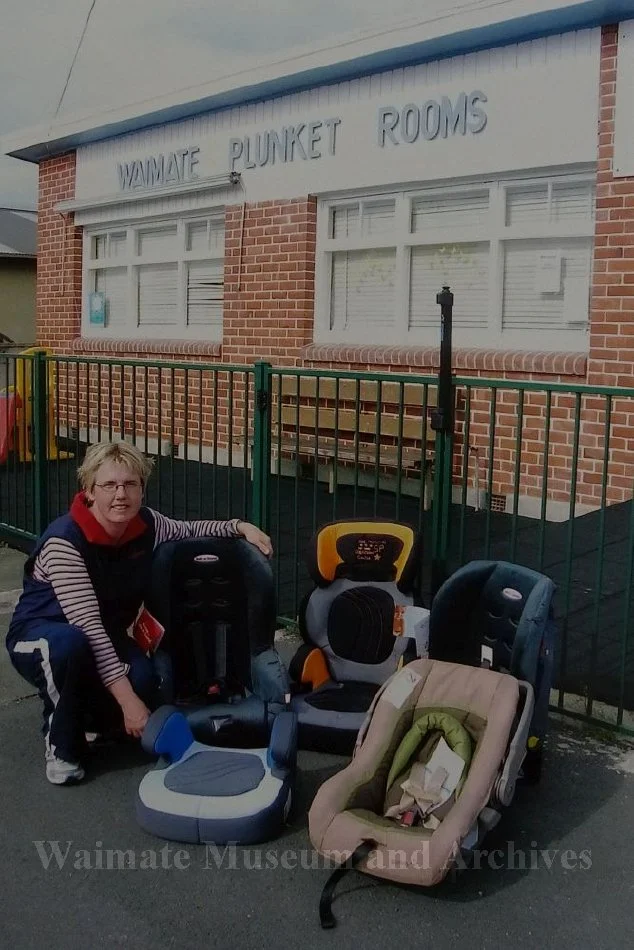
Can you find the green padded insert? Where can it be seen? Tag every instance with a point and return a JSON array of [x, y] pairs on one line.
[[455, 735]]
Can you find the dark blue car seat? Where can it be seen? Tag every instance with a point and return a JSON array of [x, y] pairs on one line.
[[225, 737], [500, 615]]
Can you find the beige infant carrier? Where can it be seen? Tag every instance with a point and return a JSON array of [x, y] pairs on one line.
[[434, 764]]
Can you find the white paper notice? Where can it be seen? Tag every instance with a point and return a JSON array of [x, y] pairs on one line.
[[548, 275], [401, 687]]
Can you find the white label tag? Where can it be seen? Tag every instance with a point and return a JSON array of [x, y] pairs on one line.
[[401, 687], [486, 653]]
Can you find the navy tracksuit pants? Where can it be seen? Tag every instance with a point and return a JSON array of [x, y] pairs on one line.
[[57, 660]]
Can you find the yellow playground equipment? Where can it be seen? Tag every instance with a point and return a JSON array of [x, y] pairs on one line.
[[17, 418]]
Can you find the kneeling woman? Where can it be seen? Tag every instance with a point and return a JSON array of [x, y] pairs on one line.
[[83, 586]]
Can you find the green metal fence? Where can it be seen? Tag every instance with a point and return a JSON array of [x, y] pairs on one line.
[[537, 473]]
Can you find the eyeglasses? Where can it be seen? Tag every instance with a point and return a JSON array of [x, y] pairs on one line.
[[110, 488]]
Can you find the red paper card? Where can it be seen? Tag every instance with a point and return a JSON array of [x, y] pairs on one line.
[[147, 631]]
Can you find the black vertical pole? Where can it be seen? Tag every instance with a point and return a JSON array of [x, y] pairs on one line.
[[442, 418], [442, 421]]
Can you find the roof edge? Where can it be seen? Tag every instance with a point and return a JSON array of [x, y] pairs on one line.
[[266, 81]]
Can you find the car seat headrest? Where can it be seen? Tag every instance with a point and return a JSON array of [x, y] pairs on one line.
[[432, 721], [363, 550]]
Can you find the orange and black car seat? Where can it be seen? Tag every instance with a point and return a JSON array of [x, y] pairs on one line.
[[363, 570]]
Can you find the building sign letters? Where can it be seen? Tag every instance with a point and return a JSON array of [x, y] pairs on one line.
[[304, 140], [167, 169], [413, 122]]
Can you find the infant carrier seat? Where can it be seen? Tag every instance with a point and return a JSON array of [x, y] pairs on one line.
[[500, 615], [226, 739], [362, 570], [434, 765]]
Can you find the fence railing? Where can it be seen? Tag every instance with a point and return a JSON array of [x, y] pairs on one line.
[[537, 473]]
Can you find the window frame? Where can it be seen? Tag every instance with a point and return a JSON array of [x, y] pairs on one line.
[[132, 260], [494, 231]]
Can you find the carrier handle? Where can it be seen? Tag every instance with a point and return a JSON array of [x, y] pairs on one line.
[[358, 855]]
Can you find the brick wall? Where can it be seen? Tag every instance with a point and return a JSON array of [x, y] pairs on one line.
[[269, 281], [59, 248]]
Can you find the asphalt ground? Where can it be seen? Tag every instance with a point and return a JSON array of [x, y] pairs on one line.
[[77, 870]]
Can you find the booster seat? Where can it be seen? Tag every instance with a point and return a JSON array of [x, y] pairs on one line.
[[434, 765], [226, 740], [500, 615], [363, 570]]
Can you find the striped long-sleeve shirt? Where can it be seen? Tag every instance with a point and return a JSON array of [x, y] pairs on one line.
[[60, 564]]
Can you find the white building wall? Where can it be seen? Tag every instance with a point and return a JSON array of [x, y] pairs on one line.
[[541, 112]]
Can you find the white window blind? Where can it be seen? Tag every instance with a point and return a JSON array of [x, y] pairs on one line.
[[447, 211], [363, 288], [526, 305], [157, 294], [549, 203], [157, 241], [205, 293], [465, 268], [378, 218]]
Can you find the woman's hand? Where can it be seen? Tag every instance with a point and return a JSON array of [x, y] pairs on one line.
[[135, 716], [135, 712], [253, 535]]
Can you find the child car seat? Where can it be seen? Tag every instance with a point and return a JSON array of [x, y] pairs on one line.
[[362, 570], [222, 683], [200, 794], [500, 615], [434, 765], [215, 598]]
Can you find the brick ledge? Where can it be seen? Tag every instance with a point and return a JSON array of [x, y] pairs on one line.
[[148, 347], [510, 361]]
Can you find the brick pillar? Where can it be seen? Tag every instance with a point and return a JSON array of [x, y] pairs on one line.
[[59, 260], [269, 280], [611, 357], [611, 360]]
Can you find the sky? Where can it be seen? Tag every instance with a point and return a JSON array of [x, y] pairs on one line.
[[136, 48]]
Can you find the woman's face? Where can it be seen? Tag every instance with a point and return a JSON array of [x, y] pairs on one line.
[[116, 497]]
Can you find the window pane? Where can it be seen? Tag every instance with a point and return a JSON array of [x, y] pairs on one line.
[[99, 247], [158, 241], [378, 218], [363, 289], [197, 236], [527, 203], [157, 294], [113, 282], [572, 201], [527, 306], [460, 210], [117, 244], [344, 221], [217, 236], [465, 268], [205, 292]]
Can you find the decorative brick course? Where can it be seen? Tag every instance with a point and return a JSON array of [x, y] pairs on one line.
[[428, 358]]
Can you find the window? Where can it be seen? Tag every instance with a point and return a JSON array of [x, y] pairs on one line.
[[159, 280], [517, 255]]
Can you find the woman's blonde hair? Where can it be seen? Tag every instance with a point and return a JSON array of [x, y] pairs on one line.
[[120, 452]]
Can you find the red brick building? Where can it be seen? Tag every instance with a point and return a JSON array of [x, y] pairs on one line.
[[309, 216]]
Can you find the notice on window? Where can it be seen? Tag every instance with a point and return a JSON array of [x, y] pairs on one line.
[[575, 302], [548, 273]]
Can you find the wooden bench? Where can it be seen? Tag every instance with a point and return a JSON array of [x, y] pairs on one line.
[[335, 424]]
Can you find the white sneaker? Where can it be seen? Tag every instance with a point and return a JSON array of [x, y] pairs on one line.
[[60, 772]]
